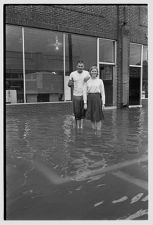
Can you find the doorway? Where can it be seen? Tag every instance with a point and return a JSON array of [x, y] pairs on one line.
[[134, 86], [106, 74]]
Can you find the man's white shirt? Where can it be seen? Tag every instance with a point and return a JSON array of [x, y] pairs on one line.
[[78, 79]]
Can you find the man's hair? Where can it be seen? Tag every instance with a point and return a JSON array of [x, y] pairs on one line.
[[80, 62]]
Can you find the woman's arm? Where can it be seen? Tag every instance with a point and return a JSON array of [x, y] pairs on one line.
[[102, 90], [85, 95]]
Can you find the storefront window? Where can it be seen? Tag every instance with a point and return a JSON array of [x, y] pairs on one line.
[[106, 51], [68, 54], [135, 73], [77, 48], [107, 68], [36, 58], [68, 66], [135, 54], [44, 70], [14, 65], [84, 48], [145, 73]]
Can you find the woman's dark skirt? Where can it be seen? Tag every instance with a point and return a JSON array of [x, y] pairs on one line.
[[78, 107], [94, 107]]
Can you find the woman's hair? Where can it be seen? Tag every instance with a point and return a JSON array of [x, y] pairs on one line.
[[93, 67]]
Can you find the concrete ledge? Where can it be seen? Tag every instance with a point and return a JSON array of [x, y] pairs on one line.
[[44, 108], [110, 107], [39, 103], [135, 106], [58, 102], [63, 107]]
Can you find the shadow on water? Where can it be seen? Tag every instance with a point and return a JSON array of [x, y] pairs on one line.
[[47, 157]]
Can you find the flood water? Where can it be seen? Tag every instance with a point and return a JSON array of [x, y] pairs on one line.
[[49, 165]]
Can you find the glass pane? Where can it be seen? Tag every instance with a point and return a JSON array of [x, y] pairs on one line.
[[134, 86], [44, 65], [83, 48], [68, 54], [145, 73], [68, 66], [135, 54], [106, 51], [14, 65], [106, 74]]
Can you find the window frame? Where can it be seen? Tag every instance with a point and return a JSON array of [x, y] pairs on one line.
[[114, 49]]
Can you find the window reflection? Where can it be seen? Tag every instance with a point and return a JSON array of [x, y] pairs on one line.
[[106, 74], [106, 51], [134, 85], [84, 48], [14, 65], [135, 54], [68, 54], [44, 65], [78, 47]]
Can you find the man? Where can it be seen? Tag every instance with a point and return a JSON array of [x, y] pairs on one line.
[[76, 80]]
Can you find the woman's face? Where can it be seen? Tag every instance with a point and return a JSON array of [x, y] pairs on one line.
[[93, 73]]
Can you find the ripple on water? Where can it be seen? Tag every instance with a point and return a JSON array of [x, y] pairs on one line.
[[74, 152]]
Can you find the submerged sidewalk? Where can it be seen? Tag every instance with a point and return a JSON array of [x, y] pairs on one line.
[[63, 173]]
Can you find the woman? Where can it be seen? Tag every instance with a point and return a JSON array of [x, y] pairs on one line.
[[94, 99]]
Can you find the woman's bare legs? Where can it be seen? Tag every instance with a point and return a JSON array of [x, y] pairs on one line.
[[98, 125], [93, 125]]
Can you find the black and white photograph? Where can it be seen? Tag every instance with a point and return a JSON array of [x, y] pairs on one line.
[[75, 111]]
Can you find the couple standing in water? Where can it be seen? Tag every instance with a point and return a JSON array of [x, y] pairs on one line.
[[88, 96]]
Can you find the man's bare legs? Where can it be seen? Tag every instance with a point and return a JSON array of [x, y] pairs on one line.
[[81, 123]]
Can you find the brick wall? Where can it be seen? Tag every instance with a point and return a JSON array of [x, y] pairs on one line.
[[137, 22], [94, 20], [87, 20], [129, 28]]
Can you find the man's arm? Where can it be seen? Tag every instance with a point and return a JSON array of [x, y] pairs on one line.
[[71, 81], [87, 77], [85, 95]]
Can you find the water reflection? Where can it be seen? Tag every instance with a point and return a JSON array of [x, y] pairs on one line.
[[70, 150], [44, 150]]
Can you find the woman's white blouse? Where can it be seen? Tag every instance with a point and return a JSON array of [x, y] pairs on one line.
[[94, 86]]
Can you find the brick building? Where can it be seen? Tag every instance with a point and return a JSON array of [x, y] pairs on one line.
[[44, 42]]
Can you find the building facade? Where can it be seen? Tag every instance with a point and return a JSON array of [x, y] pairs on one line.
[[44, 42]]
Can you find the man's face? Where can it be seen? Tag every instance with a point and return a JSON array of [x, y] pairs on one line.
[[80, 67]]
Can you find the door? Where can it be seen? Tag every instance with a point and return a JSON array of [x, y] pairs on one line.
[[134, 86], [106, 74]]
